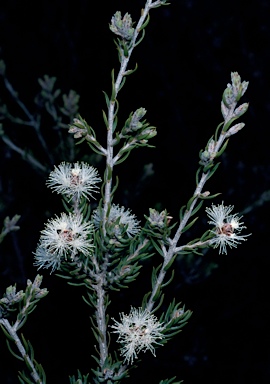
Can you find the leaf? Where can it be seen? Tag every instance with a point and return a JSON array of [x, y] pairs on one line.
[[195, 210], [145, 23], [169, 281], [13, 353], [107, 99], [105, 118], [219, 153], [130, 71], [189, 225]]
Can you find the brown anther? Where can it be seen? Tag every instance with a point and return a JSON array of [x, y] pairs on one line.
[[67, 234], [226, 229], [74, 180]]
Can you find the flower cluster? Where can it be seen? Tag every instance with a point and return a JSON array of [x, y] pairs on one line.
[[63, 237], [118, 219], [74, 180], [158, 219], [122, 26], [138, 331], [227, 227]]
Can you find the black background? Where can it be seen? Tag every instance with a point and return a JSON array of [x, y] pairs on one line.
[[184, 62]]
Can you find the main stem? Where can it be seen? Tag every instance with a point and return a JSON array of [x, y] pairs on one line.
[[101, 321], [100, 289], [111, 111]]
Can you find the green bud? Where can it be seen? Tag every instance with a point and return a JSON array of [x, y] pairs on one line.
[[4, 300], [228, 96], [205, 156], [240, 110], [236, 81], [244, 86], [37, 282], [41, 293], [10, 292], [147, 134], [135, 123], [18, 297], [157, 219], [78, 128], [234, 129]]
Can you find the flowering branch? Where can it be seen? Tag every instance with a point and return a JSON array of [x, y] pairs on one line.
[[214, 149], [125, 50], [101, 250]]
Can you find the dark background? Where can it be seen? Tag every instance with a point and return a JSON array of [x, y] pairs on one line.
[[184, 62]]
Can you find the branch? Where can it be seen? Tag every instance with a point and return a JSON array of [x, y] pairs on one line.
[[12, 332]]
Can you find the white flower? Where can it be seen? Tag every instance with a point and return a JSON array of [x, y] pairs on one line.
[[227, 227], [45, 259], [63, 236], [138, 331], [76, 180], [125, 217]]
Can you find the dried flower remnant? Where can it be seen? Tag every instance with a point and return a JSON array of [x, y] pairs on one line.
[[227, 227], [138, 331], [74, 180]]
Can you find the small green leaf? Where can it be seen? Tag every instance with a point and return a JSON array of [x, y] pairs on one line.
[[141, 38], [6, 333], [169, 281], [217, 131], [122, 84], [195, 210], [145, 23], [213, 171], [130, 71], [107, 99], [105, 119], [169, 264], [189, 225], [181, 213], [158, 249], [219, 153], [13, 353], [122, 158], [190, 202]]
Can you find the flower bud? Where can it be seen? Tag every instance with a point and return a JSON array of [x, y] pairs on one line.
[[147, 134], [228, 96], [41, 293], [18, 297], [37, 282], [135, 123], [240, 110], [224, 110], [234, 129]]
